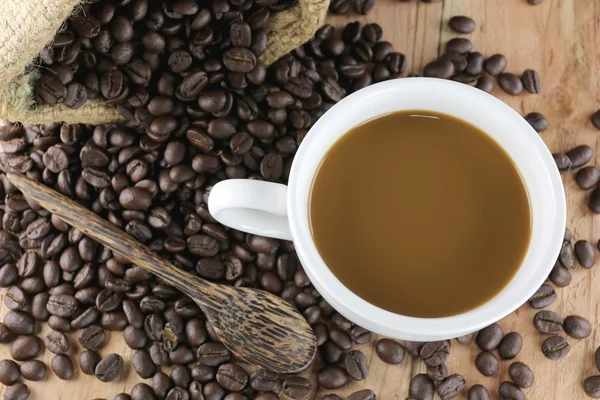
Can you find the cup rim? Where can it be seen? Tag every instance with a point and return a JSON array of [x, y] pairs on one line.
[[399, 326]]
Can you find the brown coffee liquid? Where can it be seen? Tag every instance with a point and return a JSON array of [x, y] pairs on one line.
[[420, 213]]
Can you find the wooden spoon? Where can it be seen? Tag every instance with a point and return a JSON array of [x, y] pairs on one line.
[[257, 326]]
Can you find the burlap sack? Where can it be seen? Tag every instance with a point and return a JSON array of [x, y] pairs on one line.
[[26, 26]]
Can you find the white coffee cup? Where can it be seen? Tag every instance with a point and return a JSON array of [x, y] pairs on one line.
[[280, 211]]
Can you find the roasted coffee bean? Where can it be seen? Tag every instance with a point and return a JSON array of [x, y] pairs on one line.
[[108, 300], [15, 299], [18, 391], [435, 353], [531, 81], [62, 305], [566, 257], [594, 203], [6, 336], [563, 163], [113, 321], [9, 372], [296, 387], [580, 155], [588, 177], [452, 386], [62, 366], [442, 68], [459, 45], [264, 381], [486, 363], [510, 346], [88, 360], [141, 391], [92, 337], [437, 373], [489, 338], [332, 377], [142, 364], [466, 339], [478, 392], [495, 64], [548, 322], [560, 276], [232, 377], [584, 252], [109, 368], [33, 370], [365, 394], [356, 365], [543, 297], [213, 354], [521, 374], [389, 351], [591, 386], [421, 387], [577, 327], [510, 391], [537, 121], [595, 118], [461, 24], [555, 347], [57, 342], [19, 323], [25, 348], [510, 83]]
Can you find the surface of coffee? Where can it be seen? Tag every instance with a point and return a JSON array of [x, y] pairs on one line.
[[420, 213]]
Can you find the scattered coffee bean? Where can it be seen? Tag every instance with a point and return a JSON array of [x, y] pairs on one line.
[[510, 391], [548, 322], [521, 374], [461, 24], [577, 327], [25, 348], [495, 64], [435, 353], [563, 163], [555, 347], [585, 253], [18, 391], [421, 387], [588, 177], [478, 392], [537, 121], [9, 372], [591, 386], [596, 119], [389, 351], [34, 370], [357, 365], [466, 339], [543, 297], [109, 368], [452, 386], [510, 83], [62, 366], [92, 337], [88, 360], [296, 387], [531, 81], [365, 394], [489, 337], [580, 155], [331, 377], [510, 346], [486, 363]]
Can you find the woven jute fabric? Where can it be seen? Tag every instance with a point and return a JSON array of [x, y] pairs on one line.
[[26, 26]]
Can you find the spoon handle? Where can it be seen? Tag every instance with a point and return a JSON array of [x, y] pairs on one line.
[[110, 236]]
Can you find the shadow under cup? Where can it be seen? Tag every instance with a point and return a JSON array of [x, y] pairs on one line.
[[502, 124]]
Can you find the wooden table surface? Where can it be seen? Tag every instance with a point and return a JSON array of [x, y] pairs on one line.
[[561, 40]]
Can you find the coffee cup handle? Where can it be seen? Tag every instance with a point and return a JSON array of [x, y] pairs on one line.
[[256, 207]]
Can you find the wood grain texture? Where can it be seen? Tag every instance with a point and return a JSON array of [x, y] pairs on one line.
[[257, 326], [560, 39]]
